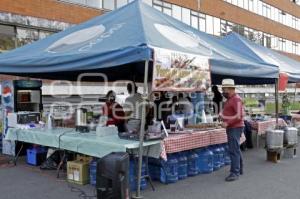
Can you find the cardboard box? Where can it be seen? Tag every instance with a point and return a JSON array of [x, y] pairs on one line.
[[84, 158], [78, 172]]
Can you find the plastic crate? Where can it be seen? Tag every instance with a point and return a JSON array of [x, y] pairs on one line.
[[36, 156]]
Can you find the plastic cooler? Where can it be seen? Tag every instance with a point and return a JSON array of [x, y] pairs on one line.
[[36, 156]]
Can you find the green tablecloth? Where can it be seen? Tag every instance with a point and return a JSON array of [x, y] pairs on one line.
[[87, 143]]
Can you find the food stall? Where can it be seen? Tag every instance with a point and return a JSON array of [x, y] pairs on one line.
[[104, 55]]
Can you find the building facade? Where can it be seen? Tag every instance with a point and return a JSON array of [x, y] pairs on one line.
[[271, 23]]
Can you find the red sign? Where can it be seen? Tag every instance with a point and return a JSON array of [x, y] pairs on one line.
[[283, 81]]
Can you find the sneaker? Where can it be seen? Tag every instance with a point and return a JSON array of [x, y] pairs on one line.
[[231, 177]]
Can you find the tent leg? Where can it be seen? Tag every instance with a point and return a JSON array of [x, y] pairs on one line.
[[142, 131], [276, 102]]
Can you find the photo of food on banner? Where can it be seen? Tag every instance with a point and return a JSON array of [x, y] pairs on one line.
[[180, 72], [183, 94]]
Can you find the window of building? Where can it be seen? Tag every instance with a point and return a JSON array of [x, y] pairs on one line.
[[149, 2], [289, 20], [266, 10], [44, 34], [217, 26], [26, 36], [289, 46], [251, 5], [276, 14], [109, 4], [259, 10], [94, 3], [282, 17], [249, 33], [295, 47], [157, 7], [234, 2], [176, 12], [282, 44], [262, 8], [209, 24], [255, 6], [7, 38], [223, 27], [195, 20], [295, 22], [186, 16], [274, 43], [167, 8], [202, 22], [240, 3], [246, 4], [121, 3]]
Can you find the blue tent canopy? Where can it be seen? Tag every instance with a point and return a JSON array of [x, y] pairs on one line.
[[263, 55], [119, 42]]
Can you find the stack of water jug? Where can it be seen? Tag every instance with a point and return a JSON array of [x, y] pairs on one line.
[[189, 163], [133, 167]]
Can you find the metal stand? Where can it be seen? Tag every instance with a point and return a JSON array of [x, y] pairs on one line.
[[61, 163], [15, 159], [145, 96], [276, 102]]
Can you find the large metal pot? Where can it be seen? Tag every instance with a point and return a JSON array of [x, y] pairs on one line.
[[81, 117], [275, 139], [290, 135]]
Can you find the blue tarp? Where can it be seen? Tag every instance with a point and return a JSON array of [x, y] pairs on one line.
[[263, 55], [126, 37]]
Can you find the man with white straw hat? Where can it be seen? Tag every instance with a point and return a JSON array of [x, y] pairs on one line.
[[233, 120]]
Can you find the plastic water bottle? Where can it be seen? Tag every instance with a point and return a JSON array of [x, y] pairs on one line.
[[217, 163], [227, 160], [192, 164], [133, 175], [182, 166], [49, 122], [205, 161], [93, 172], [222, 155], [170, 170]]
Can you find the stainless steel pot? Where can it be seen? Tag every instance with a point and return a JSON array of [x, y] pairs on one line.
[[81, 117], [274, 139], [290, 135]]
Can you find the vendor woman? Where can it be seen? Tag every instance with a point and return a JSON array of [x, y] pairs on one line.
[[114, 111]]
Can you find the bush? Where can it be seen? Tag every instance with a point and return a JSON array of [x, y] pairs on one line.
[[270, 107], [250, 102]]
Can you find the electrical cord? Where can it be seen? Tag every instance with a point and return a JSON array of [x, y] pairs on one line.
[[59, 137], [81, 194]]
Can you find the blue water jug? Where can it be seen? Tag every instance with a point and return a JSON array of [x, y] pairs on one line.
[[170, 170], [133, 167], [227, 160], [205, 161], [222, 155], [192, 163], [217, 162], [93, 172], [182, 166]]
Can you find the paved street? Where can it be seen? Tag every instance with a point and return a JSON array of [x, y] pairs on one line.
[[261, 180]]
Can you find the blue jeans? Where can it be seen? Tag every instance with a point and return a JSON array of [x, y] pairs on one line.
[[234, 135]]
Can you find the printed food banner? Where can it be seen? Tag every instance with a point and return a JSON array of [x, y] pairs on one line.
[[176, 71]]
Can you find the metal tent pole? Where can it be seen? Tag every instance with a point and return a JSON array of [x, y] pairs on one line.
[[276, 102], [142, 131]]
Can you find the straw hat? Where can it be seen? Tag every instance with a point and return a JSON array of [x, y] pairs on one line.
[[228, 83]]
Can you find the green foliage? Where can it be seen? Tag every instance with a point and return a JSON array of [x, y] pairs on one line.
[[270, 107], [250, 102]]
